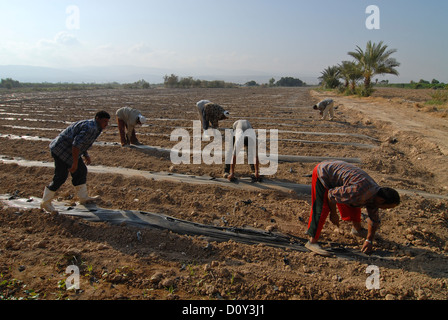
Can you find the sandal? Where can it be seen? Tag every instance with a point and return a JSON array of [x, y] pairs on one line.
[[316, 248]]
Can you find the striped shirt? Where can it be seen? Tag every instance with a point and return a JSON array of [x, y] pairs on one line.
[[348, 184], [81, 134], [324, 103]]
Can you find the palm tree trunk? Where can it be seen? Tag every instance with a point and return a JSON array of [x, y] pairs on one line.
[[367, 82]]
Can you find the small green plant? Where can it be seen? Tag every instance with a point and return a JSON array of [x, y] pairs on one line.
[[190, 268], [62, 285], [89, 270], [232, 279], [170, 289], [32, 295], [10, 287]]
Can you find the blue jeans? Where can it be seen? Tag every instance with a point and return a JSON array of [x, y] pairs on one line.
[[79, 177]]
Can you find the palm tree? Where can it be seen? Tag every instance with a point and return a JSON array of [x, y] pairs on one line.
[[344, 72], [330, 77], [351, 73], [375, 60]]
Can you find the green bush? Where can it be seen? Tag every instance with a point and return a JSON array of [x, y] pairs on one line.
[[438, 97], [9, 83], [362, 91]]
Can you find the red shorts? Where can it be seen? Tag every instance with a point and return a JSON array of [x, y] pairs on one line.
[[320, 208]]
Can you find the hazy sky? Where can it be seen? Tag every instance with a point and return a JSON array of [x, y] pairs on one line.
[[282, 37]]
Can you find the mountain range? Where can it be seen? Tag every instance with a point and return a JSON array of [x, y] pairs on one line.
[[129, 74]]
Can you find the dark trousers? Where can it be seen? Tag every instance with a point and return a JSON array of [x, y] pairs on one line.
[[79, 177]]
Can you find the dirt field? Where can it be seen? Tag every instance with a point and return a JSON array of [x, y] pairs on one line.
[[398, 140]]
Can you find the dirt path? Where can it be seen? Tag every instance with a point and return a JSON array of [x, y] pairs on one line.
[[423, 132], [402, 117]]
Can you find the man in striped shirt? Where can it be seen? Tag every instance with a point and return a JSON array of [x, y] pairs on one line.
[[325, 107], [347, 187], [66, 150]]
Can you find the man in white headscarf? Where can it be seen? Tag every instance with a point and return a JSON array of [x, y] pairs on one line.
[[127, 119], [210, 114]]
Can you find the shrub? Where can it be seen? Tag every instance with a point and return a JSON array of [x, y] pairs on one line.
[[438, 97]]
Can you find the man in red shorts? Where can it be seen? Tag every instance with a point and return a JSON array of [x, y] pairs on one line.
[[347, 187]]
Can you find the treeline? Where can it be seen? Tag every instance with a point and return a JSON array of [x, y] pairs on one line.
[[283, 82], [422, 84], [171, 81], [9, 83], [174, 81]]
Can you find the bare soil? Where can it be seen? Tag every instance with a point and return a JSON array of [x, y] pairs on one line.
[[399, 140]]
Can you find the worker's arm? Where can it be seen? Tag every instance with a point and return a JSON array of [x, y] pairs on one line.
[[75, 154], [372, 225], [334, 218]]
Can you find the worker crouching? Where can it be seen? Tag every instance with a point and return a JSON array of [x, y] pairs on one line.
[[128, 118]]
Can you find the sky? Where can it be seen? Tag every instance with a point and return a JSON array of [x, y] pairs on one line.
[[278, 37]]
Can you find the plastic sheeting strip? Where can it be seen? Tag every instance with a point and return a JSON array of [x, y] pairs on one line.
[[142, 219]]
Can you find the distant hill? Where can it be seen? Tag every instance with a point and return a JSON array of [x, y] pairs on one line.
[[129, 74], [79, 75], [37, 74]]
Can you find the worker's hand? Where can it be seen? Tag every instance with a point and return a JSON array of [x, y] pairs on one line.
[[334, 218], [367, 247], [73, 168], [87, 160]]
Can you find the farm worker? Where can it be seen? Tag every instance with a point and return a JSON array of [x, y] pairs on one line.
[[66, 150], [210, 114], [347, 187], [325, 107], [243, 134], [128, 118]]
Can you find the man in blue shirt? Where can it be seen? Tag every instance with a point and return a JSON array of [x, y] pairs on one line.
[[66, 150]]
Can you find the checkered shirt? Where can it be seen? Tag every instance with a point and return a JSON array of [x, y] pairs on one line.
[[81, 134]]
